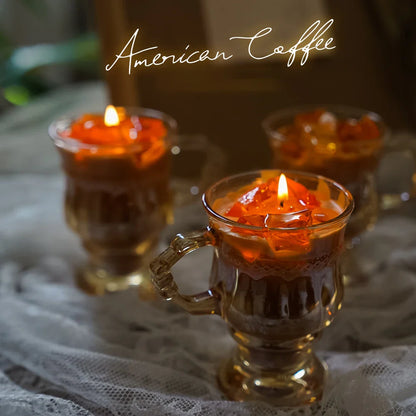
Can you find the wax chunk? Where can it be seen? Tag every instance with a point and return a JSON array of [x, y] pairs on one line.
[[307, 121], [289, 220], [296, 242], [321, 130], [322, 214]]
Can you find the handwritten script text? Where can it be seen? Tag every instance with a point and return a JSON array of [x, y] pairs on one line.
[[312, 39]]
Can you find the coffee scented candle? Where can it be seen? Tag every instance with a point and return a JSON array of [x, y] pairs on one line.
[[275, 278]]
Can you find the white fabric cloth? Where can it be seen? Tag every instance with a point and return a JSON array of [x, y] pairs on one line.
[[65, 353]]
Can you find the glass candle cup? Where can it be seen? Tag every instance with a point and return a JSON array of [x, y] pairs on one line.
[[275, 301], [117, 200], [342, 143]]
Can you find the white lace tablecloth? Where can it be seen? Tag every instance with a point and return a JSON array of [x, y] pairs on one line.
[[65, 353]]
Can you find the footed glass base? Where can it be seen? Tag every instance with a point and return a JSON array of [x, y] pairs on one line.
[[295, 386], [95, 281]]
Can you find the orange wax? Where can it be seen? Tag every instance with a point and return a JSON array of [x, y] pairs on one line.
[[142, 137], [321, 132], [324, 125], [258, 205]]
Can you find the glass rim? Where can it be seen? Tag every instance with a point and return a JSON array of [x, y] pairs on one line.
[[273, 134], [74, 143], [346, 212]]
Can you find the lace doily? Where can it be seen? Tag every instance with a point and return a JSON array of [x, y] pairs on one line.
[[65, 353]]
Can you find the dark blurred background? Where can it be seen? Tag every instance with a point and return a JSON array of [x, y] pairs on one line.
[[47, 44]]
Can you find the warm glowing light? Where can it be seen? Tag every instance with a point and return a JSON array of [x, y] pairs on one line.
[[282, 191], [111, 117]]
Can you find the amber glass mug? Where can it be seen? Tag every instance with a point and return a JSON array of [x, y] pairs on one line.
[[275, 303], [119, 198]]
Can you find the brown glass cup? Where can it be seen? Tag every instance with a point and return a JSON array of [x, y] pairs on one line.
[[274, 302], [116, 203], [355, 166]]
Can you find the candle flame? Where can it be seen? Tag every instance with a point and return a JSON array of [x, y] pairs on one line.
[[111, 117], [282, 190]]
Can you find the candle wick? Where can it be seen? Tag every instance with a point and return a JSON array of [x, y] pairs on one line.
[[281, 203]]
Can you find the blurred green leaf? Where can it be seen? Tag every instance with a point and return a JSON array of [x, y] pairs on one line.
[[17, 94], [77, 53]]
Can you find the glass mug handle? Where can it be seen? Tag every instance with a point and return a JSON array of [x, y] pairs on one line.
[[406, 146], [197, 163], [205, 303]]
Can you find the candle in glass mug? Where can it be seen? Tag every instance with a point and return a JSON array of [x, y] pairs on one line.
[[117, 190], [275, 278]]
